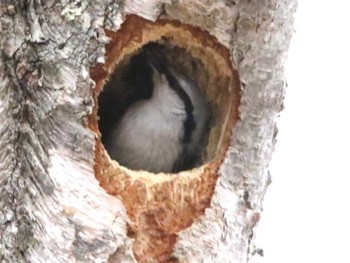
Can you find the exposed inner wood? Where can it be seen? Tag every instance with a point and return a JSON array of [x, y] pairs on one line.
[[161, 205]]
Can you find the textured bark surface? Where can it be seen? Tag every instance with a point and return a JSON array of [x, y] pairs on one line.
[[52, 207]]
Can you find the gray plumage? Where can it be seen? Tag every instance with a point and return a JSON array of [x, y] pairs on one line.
[[150, 135]]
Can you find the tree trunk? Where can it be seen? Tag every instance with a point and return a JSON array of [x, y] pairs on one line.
[[62, 199]]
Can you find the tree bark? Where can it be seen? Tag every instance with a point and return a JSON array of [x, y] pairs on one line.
[[53, 209]]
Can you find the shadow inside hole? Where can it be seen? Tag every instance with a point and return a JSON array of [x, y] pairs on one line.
[[132, 82]]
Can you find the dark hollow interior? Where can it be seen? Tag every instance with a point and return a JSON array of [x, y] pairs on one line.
[[131, 81]]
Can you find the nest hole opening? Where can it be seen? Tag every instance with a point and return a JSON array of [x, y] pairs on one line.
[[132, 83], [151, 197], [191, 53]]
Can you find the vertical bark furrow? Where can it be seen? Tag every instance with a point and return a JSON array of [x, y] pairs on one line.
[[52, 208], [46, 149]]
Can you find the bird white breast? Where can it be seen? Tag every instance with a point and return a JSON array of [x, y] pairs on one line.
[[148, 135]]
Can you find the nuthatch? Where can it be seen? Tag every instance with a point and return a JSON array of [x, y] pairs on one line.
[[167, 130]]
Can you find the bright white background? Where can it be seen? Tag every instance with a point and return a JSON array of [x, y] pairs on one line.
[[306, 216]]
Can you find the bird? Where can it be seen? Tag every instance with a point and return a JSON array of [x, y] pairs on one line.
[[166, 130]]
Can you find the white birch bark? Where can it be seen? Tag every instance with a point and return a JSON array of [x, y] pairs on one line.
[[52, 207]]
